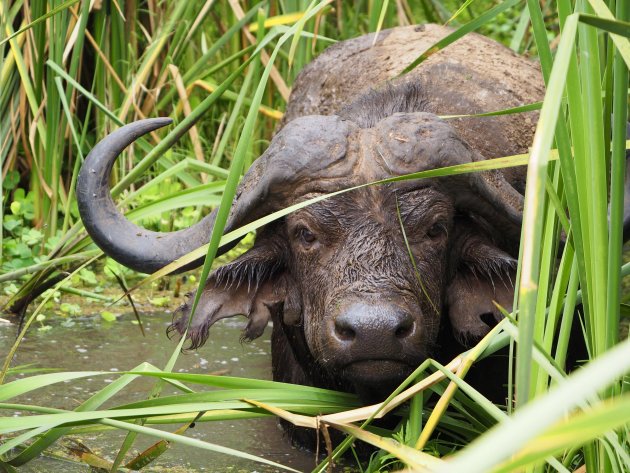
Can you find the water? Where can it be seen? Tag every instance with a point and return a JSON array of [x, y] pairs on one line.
[[91, 344]]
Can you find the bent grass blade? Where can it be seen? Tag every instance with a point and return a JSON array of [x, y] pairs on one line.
[[414, 459], [490, 164], [507, 439], [577, 429], [35, 449]]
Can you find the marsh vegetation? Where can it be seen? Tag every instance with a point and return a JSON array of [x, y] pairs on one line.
[[71, 71]]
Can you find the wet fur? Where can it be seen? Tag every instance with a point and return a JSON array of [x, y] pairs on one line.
[[375, 105], [358, 257]]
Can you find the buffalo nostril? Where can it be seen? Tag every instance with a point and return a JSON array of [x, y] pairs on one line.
[[488, 319], [345, 333], [403, 331]]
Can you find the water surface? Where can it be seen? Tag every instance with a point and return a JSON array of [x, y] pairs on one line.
[[91, 344]]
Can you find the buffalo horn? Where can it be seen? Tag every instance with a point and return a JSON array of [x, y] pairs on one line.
[[133, 246]]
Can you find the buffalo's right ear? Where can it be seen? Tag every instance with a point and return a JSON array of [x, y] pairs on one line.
[[471, 308], [251, 285], [485, 275]]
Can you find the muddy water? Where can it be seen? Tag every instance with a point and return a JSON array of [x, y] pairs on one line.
[[92, 344]]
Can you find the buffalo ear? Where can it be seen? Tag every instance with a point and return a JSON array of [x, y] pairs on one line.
[[485, 275], [292, 309], [252, 285]]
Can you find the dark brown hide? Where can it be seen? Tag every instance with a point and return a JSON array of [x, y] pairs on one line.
[[358, 285], [368, 310], [472, 75]]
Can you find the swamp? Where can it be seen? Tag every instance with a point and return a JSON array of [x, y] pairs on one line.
[[89, 379]]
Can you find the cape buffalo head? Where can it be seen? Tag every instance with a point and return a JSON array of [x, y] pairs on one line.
[[364, 278]]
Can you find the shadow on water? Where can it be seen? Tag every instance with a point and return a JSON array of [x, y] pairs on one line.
[[82, 344]]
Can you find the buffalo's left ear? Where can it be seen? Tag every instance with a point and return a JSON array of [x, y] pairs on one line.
[[252, 285], [485, 275]]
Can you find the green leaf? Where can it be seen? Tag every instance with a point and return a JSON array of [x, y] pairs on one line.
[[22, 386], [15, 207], [70, 309], [88, 277], [32, 237], [612, 26], [11, 223], [11, 180], [162, 301], [108, 316]]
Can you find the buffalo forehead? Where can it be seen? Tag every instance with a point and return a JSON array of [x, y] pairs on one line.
[[312, 146], [307, 155], [327, 153], [414, 142], [321, 154]]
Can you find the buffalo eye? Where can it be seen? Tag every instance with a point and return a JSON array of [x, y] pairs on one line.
[[306, 237], [436, 230]]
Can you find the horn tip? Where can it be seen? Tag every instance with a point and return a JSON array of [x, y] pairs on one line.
[[159, 122], [147, 125]]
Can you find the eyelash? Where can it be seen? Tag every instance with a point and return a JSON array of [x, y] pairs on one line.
[[436, 230], [306, 236]]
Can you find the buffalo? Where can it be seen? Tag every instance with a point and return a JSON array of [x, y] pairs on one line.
[[363, 286]]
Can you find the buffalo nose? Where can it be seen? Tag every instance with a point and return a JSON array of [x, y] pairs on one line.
[[373, 325]]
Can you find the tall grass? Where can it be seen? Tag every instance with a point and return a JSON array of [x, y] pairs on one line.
[[222, 70]]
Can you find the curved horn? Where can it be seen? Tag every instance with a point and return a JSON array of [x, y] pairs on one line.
[[493, 186], [127, 243], [494, 198], [418, 141], [285, 170]]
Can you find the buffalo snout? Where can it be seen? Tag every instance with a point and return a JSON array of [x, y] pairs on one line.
[[374, 341], [373, 329]]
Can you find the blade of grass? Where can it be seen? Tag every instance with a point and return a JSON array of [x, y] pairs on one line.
[[508, 439], [238, 161], [498, 163], [38, 20], [534, 200], [96, 400], [32, 317], [577, 429], [381, 18], [418, 461], [605, 20], [460, 32], [617, 185], [202, 63]]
